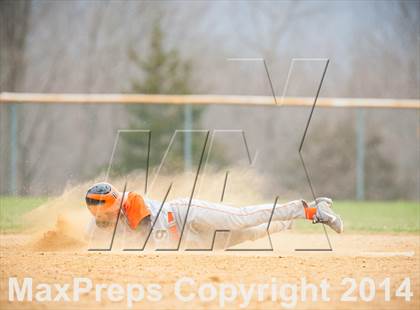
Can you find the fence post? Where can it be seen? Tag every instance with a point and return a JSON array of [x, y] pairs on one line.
[[13, 149], [187, 138], [360, 154]]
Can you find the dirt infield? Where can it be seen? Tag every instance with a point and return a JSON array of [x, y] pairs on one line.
[[356, 256]]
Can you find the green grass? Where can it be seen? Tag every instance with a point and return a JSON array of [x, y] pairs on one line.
[[393, 216], [389, 216], [12, 209]]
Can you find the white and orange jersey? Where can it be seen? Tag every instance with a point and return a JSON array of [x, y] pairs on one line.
[[164, 219], [138, 216]]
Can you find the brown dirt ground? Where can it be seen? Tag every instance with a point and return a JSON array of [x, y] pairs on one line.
[[53, 260]]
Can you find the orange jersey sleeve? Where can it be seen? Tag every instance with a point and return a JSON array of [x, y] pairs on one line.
[[135, 209]]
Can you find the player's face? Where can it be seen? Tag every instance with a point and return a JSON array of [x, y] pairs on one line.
[[106, 219]]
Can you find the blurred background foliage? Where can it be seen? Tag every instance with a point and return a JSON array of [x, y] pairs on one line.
[[182, 47]]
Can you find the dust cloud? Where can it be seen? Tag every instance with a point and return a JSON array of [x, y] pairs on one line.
[[61, 222]]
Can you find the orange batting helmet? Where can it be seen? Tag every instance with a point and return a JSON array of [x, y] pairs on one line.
[[102, 197]]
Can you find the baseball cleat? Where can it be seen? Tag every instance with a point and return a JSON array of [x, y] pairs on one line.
[[324, 214]]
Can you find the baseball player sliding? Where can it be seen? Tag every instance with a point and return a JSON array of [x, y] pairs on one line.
[[138, 215]]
